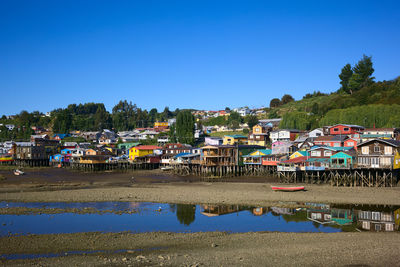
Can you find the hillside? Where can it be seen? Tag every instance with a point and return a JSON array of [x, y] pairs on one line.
[[376, 103]]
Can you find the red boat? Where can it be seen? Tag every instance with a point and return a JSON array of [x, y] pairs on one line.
[[287, 188]]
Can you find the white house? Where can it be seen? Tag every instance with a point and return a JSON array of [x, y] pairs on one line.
[[283, 135], [316, 133]]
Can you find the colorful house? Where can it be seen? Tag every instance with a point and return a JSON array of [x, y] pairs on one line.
[[224, 155], [234, 139], [377, 153], [256, 156], [126, 146], [341, 160], [60, 136], [345, 129], [141, 151], [351, 142], [299, 154], [330, 140], [259, 135]]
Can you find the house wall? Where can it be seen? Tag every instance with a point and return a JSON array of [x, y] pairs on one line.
[[343, 130]]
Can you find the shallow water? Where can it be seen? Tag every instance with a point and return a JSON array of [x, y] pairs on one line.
[[148, 217]]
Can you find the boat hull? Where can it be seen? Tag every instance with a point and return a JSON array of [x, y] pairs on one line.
[[287, 188]]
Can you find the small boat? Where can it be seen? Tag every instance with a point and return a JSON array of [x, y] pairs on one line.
[[166, 168], [18, 172], [287, 188]]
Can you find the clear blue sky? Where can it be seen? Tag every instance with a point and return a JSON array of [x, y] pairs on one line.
[[186, 54]]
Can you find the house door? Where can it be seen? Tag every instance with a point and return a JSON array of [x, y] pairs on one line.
[[375, 162]]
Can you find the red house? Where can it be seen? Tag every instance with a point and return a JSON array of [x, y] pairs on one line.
[[345, 129], [350, 142], [330, 140]]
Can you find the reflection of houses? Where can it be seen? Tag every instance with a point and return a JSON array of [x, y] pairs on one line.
[[217, 210], [258, 211], [283, 211], [319, 213], [342, 216], [376, 221]]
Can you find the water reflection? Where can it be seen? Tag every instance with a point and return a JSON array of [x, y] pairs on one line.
[[185, 213], [146, 217]]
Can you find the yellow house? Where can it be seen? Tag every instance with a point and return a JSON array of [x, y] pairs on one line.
[[299, 154], [258, 136], [396, 161], [140, 151], [234, 139], [397, 217], [160, 124]]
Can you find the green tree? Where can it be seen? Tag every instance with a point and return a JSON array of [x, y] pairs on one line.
[[275, 102], [251, 121], [286, 99], [361, 76], [185, 127], [345, 76], [102, 119], [234, 120]]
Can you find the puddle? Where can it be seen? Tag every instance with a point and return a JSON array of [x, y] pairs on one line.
[[141, 217]]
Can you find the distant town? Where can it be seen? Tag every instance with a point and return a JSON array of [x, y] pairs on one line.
[[334, 147]]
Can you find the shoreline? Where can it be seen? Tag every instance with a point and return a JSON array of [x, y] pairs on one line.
[[191, 249], [55, 185]]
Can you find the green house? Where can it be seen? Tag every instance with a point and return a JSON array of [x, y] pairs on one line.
[[127, 146], [340, 160]]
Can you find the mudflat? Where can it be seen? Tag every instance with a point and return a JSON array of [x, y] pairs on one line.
[[192, 249]]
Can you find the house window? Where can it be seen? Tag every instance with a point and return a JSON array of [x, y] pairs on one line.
[[388, 150], [316, 153], [387, 217], [350, 143], [336, 129], [389, 227], [377, 149], [376, 216], [378, 227], [327, 217], [345, 129], [366, 225], [257, 129], [365, 150], [366, 215], [327, 153]]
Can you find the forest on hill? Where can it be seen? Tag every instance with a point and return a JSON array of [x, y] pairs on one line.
[[360, 100]]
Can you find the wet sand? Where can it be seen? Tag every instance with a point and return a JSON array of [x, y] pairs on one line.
[[209, 249]]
